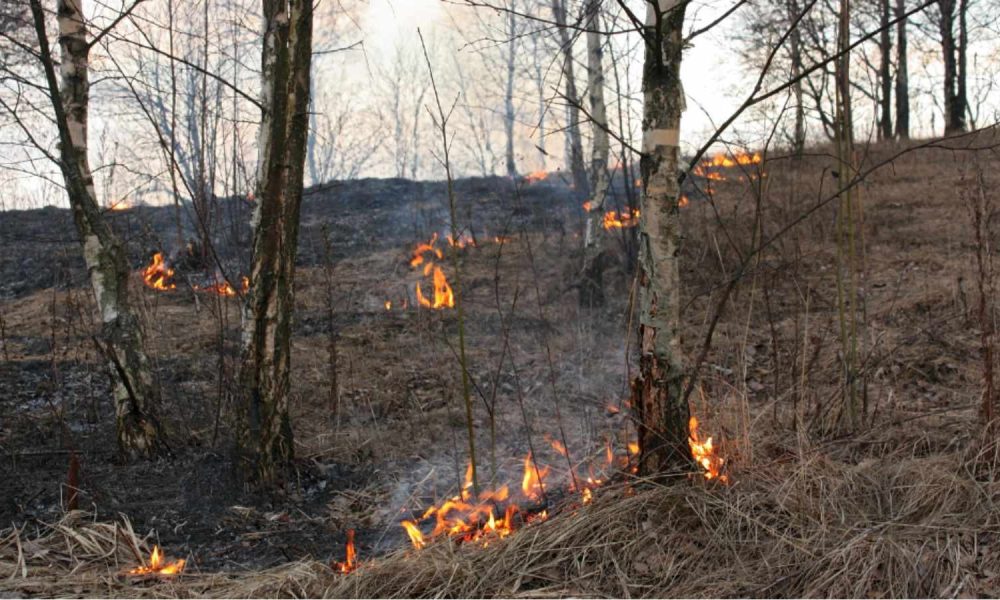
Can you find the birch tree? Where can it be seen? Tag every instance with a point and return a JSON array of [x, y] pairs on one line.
[[657, 396], [265, 432], [592, 280], [133, 389]]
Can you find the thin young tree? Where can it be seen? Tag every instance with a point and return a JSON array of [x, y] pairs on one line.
[[265, 432], [135, 393], [657, 394], [902, 75], [592, 280], [574, 142]]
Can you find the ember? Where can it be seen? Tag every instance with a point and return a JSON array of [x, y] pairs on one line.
[[159, 566]]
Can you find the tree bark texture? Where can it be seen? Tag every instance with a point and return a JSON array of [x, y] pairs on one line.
[[508, 120], [265, 432], [657, 393], [885, 70], [135, 393], [902, 75], [592, 278], [574, 142]]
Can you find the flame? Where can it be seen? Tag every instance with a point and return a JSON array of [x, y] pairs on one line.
[[587, 206], [426, 247], [388, 304], [464, 240], [122, 204], [536, 177], [708, 167], [615, 220], [416, 537], [158, 565], [158, 275], [351, 557], [501, 239], [443, 295], [683, 201], [222, 288], [531, 484], [558, 446], [467, 517], [425, 254], [704, 453]]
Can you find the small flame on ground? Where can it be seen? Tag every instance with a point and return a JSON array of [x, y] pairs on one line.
[[159, 566], [704, 454], [158, 275], [222, 288], [683, 201], [388, 304], [425, 254], [351, 557], [615, 220], [122, 204], [587, 206], [536, 176]]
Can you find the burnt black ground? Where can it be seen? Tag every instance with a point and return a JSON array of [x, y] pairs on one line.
[[54, 398]]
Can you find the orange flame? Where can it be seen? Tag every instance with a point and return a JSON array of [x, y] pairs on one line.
[[683, 201], [443, 295], [587, 206], [351, 558], [388, 304], [159, 566], [464, 240], [158, 275], [122, 204], [531, 483], [222, 288], [704, 453], [536, 176], [615, 220]]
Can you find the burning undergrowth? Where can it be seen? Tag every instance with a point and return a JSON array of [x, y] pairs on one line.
[[904, 525]]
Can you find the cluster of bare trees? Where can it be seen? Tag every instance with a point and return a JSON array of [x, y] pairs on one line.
[[193, 101]]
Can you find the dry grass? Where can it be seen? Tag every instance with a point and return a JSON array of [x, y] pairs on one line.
[[905, 525]]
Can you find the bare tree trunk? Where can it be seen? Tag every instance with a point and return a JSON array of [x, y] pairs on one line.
[[954, 112], [795, 45], [902, 75], [592, 279], [508, 98], [573, 139], [885, 73], [656, 392], [135, 394], [265, 432], [961, 93]]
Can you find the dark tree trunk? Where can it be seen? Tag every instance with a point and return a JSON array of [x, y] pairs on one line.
[[902, 75], [657, 394], [885, 72], [954, 109], [265, 432], [574, 142]]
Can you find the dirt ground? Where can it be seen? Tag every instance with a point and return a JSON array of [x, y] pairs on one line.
[[394, 441]]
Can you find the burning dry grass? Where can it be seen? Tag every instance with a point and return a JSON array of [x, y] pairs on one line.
[[901, 525]]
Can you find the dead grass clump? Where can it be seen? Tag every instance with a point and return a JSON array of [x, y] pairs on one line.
[[899, 527]]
